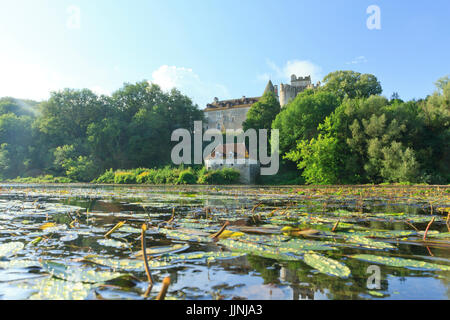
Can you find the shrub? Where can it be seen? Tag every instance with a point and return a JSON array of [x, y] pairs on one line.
[[223, 176], [230, 175], [41, 179], [107, 177], [124, 177], [187, 177], [146, 176]]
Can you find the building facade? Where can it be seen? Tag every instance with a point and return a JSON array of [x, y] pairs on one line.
[[227, 114], [231, 114]]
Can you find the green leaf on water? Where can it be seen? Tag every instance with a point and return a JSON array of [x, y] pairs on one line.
[[78, 274], [19, 264], [157, 251], [113, 243], [56, 289], [401, 262], [439, 235], [10, 248], [130, 264], [326, 265], [260, 250], [375, 293], [178, 235], [210, 256], [368, 243], [296, 245]]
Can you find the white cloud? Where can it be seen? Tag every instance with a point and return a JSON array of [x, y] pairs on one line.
[[189, 83], [357, 60], [300, 68]]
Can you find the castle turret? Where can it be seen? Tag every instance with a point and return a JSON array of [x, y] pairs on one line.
[[269, 87], [289, 92]]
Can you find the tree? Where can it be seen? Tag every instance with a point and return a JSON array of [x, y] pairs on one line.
[[318, 158], [300, 118], [351, 84], [263, 112], [15, 140]]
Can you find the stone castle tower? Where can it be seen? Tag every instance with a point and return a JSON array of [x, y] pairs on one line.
[[288, 92]]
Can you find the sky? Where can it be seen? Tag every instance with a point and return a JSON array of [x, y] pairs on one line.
[[219, 48]]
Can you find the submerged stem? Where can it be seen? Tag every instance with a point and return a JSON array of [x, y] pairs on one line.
[[428, 226], [165, 286], [144, 253]]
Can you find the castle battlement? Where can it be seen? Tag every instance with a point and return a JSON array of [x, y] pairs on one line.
[[288, 92]]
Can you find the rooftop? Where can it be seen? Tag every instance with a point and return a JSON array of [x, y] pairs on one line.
[[232, 103]]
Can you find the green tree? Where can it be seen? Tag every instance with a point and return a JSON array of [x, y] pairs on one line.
[[351, 84], [319, 160], [300, 118], [263, 112]]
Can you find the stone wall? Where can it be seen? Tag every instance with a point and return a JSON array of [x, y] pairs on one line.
[[223, 119]]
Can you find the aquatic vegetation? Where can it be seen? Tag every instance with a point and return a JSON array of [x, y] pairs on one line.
[[7, 249], [327, 265], [401, 262], [85, 242], [77, 274]]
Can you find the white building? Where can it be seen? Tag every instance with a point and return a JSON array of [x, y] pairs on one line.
[[234, 155]]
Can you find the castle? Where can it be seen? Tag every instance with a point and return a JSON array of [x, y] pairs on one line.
[[230, 114]]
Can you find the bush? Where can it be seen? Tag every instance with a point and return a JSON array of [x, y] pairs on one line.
[[168, 175], [223, 176], [107, 177], [80, 169], [124, 177], [41, 179], [146, 176], [187, 177]]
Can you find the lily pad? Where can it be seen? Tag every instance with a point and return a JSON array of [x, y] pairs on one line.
[[78, 274], [368, 243], [113, 243], [56, 289], [401, 262], [327, 265], [7, 249]]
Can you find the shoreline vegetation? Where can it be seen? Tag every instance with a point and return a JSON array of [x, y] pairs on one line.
[[189, 177], [341, 133], [164, 176]]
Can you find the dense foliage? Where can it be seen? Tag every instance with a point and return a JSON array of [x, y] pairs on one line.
[[79, 134], [343, 132], [374, 140], [262, 113], [168, 175]]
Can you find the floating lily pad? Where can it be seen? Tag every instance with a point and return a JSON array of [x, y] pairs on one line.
[[19, 264], [401, 262], [113, 243], [327, 265], [78, 274], [10, 248], [157, 251], [368, 243], [56, 289]]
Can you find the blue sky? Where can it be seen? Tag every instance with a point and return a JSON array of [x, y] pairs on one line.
[[223, 48]]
